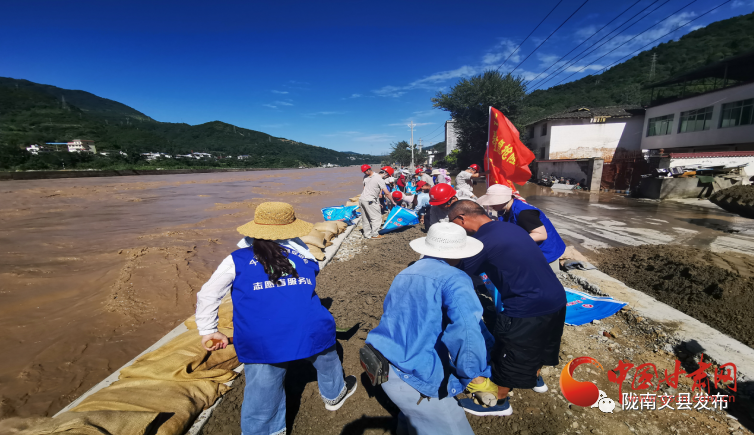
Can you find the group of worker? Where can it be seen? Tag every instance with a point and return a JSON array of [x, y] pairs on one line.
[[431, 336]]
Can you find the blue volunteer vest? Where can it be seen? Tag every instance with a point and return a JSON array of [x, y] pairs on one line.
[[553, 247], [281, 322]]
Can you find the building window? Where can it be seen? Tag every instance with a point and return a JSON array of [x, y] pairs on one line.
[[544, 129], [660, 126], [737, 113], [531, 132], [695, 120]]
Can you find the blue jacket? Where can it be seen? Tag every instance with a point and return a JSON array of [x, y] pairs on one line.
[[278, 323], [431, 329], [422, 201], [553, 247]]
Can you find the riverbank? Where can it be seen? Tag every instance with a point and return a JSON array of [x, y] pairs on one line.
[[48, 175], [94, 270]]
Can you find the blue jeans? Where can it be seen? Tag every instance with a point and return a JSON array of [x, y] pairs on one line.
[[429, 417], [263, 409]]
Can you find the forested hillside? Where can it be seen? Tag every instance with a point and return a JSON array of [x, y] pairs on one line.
[[31, 113], [625, 83]]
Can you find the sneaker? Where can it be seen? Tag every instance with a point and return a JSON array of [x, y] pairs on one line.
[[502, 408], [541, 386], [351, 386], [377, 237]]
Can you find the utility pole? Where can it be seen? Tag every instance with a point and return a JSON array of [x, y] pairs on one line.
[[412, 125], [652, 68]]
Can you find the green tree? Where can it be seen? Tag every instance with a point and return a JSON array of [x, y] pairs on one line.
[[400, 152], [468, 103]]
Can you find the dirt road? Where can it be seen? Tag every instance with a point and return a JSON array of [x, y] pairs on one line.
[[93, 271]]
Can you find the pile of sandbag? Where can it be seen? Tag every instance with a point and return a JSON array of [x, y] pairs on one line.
[[354, 200], [321, 237]]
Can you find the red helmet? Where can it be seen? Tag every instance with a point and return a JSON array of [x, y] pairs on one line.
[[397, 196], [365, 168], [418, 171], [388, 169], [420, 184], [441, 193], [475, 167]]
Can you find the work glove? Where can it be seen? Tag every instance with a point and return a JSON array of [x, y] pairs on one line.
[[484, 393]]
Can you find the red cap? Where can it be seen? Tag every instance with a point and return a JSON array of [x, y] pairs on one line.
[[441, 193], [397, 196], [420, 184], [388, 169], [365, 168], [474, 167], [418, 171]]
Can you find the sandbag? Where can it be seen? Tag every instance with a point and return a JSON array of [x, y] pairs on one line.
[[186, 400], [350, 203], [318, 253], [184, 359], [342, 226], [83, 423], [316, 238], [326, 226], [355, 198]]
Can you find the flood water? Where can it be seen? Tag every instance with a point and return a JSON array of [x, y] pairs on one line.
[[93, 271]]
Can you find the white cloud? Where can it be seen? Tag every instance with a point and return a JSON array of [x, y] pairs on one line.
[[294, 82], [390, 91], [355, 95], [423, 113], [743, 4], [325, 113], [279, 92], [270, 106], [283, 103], [404, 124]]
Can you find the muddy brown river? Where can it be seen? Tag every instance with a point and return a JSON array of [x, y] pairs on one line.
[[93, 271]]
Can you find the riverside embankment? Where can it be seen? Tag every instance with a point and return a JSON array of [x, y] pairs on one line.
[[93, 271]]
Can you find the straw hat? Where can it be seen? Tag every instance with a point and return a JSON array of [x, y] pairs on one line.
[[435, 172], [496, 194], [447, 240], [275, 221]]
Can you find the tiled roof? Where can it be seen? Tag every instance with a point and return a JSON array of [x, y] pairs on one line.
[[712, 154], [583, 112]]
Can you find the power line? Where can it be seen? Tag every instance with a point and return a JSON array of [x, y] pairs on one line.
[[548, 37], [527, 37], [581, 55], [700, 16], [626, 42], [582, 42], [434, 130]]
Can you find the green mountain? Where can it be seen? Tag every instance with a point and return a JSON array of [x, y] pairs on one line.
[[625, 83], [31, 113]]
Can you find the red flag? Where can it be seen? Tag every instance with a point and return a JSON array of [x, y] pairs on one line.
[[507, 158]]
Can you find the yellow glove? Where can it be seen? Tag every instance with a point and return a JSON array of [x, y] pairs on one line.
[[485, 393]]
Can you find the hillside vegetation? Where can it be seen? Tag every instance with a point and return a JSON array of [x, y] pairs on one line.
[[625, 83], [31, 113]]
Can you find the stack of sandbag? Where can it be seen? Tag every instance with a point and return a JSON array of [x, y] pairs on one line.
[[321, 237], [353, 201]]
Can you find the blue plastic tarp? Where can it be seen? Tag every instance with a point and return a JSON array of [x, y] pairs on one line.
[[399, 217], [346, 213], [581, 308]]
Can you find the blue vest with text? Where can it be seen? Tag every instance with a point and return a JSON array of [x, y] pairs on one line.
[[553, 247], [279, 322]]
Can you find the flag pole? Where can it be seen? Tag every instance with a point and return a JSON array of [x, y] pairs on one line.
[[487, 154]]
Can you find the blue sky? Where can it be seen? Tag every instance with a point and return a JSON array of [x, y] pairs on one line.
[[343, 75]]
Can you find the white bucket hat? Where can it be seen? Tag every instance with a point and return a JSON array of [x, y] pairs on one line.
[[435, 172], [447, 240], [496, 194]]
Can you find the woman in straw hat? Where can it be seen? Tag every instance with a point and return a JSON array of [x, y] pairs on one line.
[[277, 316], [432, 334]]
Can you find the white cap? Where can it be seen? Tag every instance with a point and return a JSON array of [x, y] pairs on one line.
[[447, 240], [496, 194]]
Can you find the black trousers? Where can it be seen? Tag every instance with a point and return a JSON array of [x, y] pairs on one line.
[[523, 345]]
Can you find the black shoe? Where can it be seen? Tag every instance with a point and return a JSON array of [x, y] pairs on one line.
[[351, 386]]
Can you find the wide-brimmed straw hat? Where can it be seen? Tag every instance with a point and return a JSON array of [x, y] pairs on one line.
[[275, 221], [447, 240], [496, 194]]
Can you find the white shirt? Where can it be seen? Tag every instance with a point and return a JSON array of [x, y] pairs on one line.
[[213, 291], [373, 185]]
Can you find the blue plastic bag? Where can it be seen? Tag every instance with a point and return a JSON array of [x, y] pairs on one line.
[[399, 217], [346, 213]]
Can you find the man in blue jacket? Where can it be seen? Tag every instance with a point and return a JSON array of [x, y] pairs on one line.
[[432, 334], [528, 330], [528, 217]]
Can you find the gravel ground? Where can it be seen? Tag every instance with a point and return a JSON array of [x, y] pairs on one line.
[[354, 289]]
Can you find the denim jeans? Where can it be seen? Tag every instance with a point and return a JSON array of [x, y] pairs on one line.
[[263, 409], [429, 417]]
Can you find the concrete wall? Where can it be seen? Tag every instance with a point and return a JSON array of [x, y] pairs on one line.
[[668, 188], [743, 134], [582, 138], [586, 169]]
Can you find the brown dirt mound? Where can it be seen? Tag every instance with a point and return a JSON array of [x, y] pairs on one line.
[[737, 199], [689, 281]]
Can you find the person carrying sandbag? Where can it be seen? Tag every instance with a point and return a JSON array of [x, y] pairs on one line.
[[277, 317]]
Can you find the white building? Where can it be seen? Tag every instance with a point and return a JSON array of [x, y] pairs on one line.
[[81, 145], [451, 137], [586, 132], [244, 157], [36, 149]]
